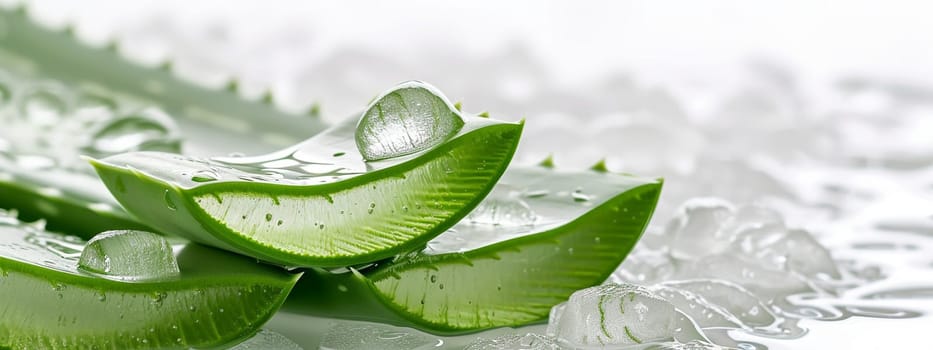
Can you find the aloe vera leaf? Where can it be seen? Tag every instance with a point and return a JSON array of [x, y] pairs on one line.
[[48, 302], [204, 113], [77, 203], [319, 203], [541, 235], [45, 126]]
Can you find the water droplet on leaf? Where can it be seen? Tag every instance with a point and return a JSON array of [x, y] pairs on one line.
[[412, 117], [127, 255]]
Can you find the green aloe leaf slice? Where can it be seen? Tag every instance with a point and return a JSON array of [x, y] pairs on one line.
[[50, 81], [167, 296], [204, 113], [541, 235], [320, 203], [45, 127]]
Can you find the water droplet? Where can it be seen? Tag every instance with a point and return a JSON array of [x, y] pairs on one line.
[[579, 196], [169, 202], [502, 211], [433, 278], [536, 194], [43, 108], [411, 117], [148, 130], [129, 256], [204, 176], [279, 223], [268, 217], [441, 286]]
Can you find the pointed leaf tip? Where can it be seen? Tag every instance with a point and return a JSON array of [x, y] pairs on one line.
[[547, 162], [483, 115], [600, 166], [459, 106]]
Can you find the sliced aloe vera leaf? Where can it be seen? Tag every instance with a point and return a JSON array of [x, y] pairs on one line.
[[318, 203], [217, 298], [46, 126], [541, 235], [204, 113]]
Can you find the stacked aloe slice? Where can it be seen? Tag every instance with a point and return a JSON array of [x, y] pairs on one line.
[[409, 214]]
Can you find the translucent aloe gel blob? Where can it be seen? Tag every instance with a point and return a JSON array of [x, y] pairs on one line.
[[413, 117], [129, 256]]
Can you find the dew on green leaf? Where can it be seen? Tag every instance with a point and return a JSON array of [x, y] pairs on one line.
[[410, 118], [129, 255]]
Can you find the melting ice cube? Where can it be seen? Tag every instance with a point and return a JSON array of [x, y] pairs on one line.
[[731, 299], [766, 283], [613, 314], [788, 250], [699, 229], [644, 266]]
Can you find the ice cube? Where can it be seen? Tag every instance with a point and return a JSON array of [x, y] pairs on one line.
[[736, 301], [705, 314], [753, 216], [699, 229], [364, 336], [613, 314], [765, 283], [529, 341], [789, 250], [644, 266]]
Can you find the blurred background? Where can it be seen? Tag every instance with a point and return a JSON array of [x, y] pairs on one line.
[[821, 112]]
